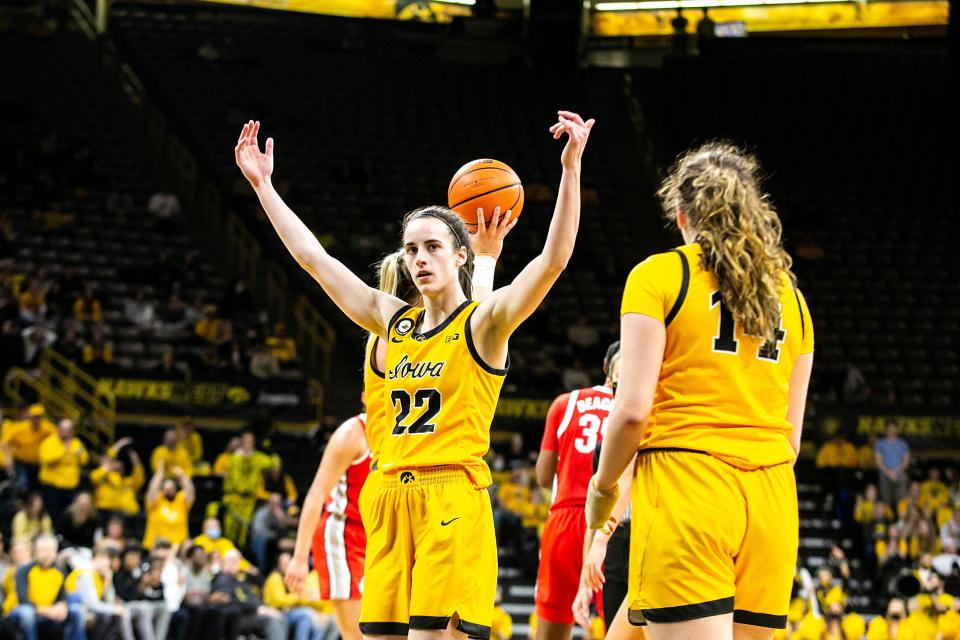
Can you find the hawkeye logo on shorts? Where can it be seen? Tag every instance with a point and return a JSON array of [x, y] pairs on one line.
[[415, 371], [404, 325], [406, 477]]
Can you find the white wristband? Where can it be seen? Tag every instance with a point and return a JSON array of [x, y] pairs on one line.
[[483, 268]]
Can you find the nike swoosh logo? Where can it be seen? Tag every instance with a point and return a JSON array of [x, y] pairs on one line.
[[395, 340], [445, 523]]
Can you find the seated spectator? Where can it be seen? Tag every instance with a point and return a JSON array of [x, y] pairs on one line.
[[111, 537], [202, 617], [826, 579], [191, 441], [950, 534], [21, 552], [172, 316], [113, 490], [268, 524], [79, 522], [213, 542], [32, 520], [863, 511], [281, 345], [574, 376], [33, 303], [172, 455], [934, 494], [93, 587], [222, 462], [837, 453], [304, 622], [88, 308], [36, 339], [887, 627], [41, 605], [168, 508], [245, 611], [139, 311], [169, 369], [275, 480], [23, 439], [98, 352], [911, 502], [263, 364], [211, 328], [69, 345], [140, 590], [865, 455], [62, 456], [165, 206]]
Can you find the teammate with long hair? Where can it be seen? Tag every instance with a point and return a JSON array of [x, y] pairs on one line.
[[331, 519], [431, 561], [716, 354]]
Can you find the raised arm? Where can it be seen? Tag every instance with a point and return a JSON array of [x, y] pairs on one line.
[[368, 307], [346, 445], [487, 243], [186, 484], [153, 489], [505, 309]]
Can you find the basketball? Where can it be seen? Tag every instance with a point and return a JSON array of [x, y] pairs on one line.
[[485, 184]]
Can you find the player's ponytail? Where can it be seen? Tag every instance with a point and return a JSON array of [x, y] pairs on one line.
[[458, 231], [717, 188], [393, 278]]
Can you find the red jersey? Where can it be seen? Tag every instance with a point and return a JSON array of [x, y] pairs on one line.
[[345, 497], [576, 422]]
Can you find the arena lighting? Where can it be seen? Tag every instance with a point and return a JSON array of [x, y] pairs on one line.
[[660, 5]]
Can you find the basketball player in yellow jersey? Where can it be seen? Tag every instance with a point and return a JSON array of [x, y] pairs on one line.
[[353, 440], [716, 353], [431, 562]]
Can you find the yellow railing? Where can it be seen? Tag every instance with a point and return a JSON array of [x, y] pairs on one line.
[[57, 403], [97, 406], [311, 328], [316, 391]]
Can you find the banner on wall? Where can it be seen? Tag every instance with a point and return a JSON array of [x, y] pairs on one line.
[[243, 398], [415, 10], [923, 431]]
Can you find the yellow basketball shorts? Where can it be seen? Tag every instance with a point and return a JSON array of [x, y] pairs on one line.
[[708, 539], [431, 553]]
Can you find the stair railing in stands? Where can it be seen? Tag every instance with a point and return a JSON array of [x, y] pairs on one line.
[[171, 161], [22, 388], [97, 405]]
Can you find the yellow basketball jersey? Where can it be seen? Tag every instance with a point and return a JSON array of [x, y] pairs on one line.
[[440, 396], [375, 400], [719, 391]]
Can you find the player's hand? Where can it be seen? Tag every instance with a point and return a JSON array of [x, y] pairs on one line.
[[257, 167], [577, 131], [581, 607], [488, 238], [296, 575], [600, 503], [592, 573]]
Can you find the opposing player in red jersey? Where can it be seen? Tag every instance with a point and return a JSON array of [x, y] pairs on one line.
[[575, 424], [335, 531]]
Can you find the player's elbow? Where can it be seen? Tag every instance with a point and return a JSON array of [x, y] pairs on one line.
[[635, 411]]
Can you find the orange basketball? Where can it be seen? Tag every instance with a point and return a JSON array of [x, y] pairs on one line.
[[485, 184]]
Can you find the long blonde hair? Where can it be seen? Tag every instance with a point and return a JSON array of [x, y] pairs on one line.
[[716, 186]]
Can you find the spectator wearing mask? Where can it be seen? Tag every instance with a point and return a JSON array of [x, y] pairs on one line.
[[893, 459], [41, 600], [303, 620], [23, 439], [172, 455], [79, 522], [62, 456], [32, 520], [245, 611], [93, 587], [168, 508], [213, 542], [87, 308], [115, 491]]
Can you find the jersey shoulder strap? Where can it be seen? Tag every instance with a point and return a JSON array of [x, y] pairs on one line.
[[684, 285]]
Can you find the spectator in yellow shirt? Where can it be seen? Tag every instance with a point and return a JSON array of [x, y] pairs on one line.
[[211, 328], [171, 455], [62, 456], [41, 601], [837, 453], [32, 520], [113, 490], [213, 542], [98, 352], [934, 494], [222, 462], [888, 627], [866, 455], [21, 552], [281, 345], [863, 511], [23, 440], [87, 308], [168, 507], [33, 303], [190, 440], [304, 620]]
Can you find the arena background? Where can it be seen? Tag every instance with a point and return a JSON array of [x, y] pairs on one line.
[[118, 178]]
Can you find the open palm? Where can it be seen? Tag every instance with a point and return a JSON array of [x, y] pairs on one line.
[[257, 167]]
